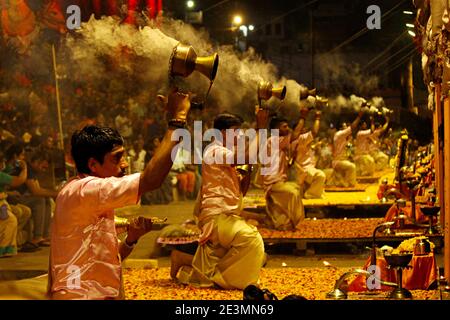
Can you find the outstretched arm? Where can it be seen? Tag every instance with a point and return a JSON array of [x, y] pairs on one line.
[[355, 122], [316, 125], [159, 166], [300, 124], [372, 124], [385, 126], [262, 119]]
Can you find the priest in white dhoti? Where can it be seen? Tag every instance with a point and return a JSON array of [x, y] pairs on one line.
[[230, 253], [365, 164], [344, 169], [311, 179], [381, 159], [284, 204]]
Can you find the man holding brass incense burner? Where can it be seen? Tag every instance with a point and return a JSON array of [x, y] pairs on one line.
[[85, 254]]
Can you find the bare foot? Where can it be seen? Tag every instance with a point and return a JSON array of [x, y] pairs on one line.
[[176, 263]]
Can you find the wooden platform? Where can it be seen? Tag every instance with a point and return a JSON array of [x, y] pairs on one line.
[[350, 231], [369, 179], [256, 199], [342, 197], [357, 188], [303, 243]]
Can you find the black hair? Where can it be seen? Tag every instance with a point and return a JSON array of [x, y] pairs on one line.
[[227, 120], [13, 150], [253, 293], [276, 121], [93, 142]]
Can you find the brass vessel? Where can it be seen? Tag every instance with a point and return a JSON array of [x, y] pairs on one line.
[[184, 61], [267, 91]]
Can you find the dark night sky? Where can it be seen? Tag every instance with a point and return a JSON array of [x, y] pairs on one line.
[[335, 20], [339, 18]]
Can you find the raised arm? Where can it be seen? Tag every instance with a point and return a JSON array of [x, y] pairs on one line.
[[316, 125], [385, 126], [355, 122], [300, 124], [159, 166], [262, 119]]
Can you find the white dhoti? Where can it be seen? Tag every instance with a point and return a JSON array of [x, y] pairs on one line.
[[381, 160], [26, 289], [284, 205], [365, 165], [311, 180], [344, 173], [232, 258]]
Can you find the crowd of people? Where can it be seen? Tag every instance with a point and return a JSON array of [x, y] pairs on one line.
[[29, 134], [121, 154], [310, 158]]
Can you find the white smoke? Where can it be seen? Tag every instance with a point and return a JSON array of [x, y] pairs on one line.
[[101, 49], [343, 75], [353, 103]]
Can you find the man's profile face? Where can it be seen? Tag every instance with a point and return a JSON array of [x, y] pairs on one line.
[[114, 164]]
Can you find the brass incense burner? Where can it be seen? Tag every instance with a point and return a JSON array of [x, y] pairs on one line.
[[399, 262], [267, 91], [184, 61]]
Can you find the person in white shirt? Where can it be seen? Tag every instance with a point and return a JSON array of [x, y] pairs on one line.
[[123, 124], [137, 154], [284, 204], [185, 177], [312, 180], [365, 164], [380, 158], [230, 253], [344, 169]]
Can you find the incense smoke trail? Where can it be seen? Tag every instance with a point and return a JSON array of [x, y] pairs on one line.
[[103, 49]]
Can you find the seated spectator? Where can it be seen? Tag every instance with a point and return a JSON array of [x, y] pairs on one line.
[[32, 194], [185, 174], [56, 172], [24, 227], [8, 221], [162, 195], [137, 154]]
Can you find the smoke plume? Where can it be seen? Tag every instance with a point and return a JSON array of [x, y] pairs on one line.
[[105, 51]]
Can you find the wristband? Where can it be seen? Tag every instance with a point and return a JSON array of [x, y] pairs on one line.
[[130, 246], [180, 124]]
